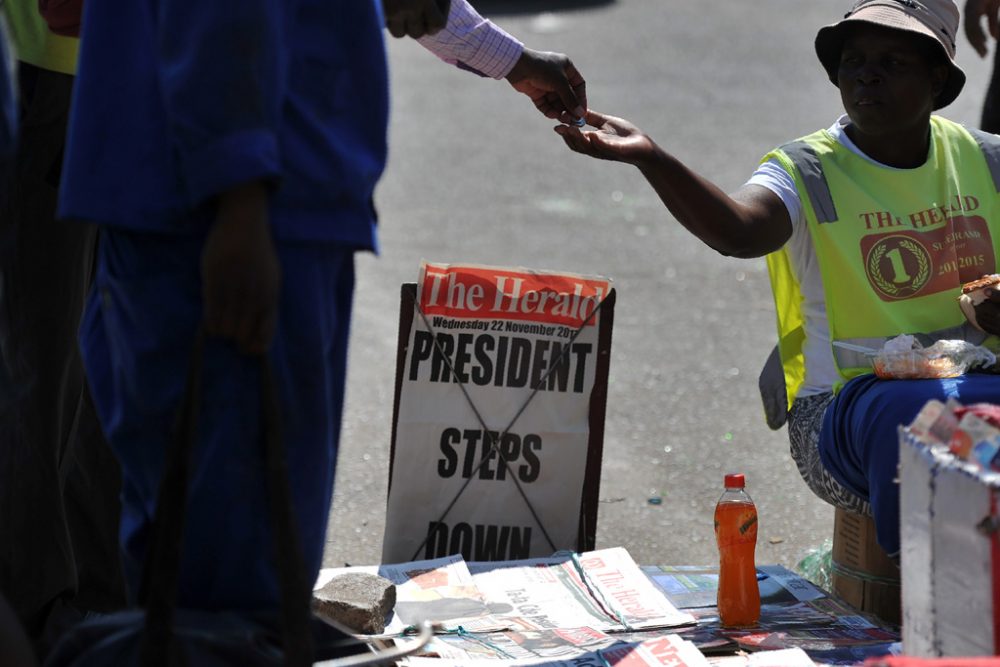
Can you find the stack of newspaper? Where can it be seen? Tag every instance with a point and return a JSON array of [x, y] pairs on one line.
[[597, 608]]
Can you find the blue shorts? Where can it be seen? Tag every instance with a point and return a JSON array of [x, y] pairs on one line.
[[137, 336], [859, 443]]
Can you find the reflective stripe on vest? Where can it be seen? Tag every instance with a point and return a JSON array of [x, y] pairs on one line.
[[990, 145], [808, 164]]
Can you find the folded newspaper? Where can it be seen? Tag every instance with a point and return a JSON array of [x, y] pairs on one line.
[[519, 645], [663, 651], [602, 590]]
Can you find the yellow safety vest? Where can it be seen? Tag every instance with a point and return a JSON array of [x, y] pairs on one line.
[[894, 246]]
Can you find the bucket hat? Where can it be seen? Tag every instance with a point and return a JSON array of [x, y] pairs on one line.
[[936, 19]]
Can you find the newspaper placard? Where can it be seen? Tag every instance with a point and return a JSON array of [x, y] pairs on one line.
[[521, 346]]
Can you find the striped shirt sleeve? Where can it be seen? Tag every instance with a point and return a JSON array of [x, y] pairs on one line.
[[473, 43]]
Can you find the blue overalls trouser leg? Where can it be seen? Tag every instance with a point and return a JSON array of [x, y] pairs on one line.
[[137, 336]]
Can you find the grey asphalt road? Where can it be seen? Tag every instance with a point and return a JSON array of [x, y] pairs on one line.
[[477, 175]]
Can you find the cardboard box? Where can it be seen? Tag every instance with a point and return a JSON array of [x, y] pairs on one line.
[[863, 575], [950, 553]]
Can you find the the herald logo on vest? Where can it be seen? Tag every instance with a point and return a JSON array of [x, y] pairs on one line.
[[933, 251], [928, 217]]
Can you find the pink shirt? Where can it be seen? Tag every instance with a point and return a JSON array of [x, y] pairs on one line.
[[474, 43]]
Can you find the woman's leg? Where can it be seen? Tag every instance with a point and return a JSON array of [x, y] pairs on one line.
[[805, 420]]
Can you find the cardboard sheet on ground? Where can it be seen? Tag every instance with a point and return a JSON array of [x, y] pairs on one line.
[[515, 356]]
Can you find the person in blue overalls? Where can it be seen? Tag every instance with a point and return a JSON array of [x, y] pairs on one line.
[[230, 150]]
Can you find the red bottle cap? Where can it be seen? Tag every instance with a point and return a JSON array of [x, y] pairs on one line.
[[735, 480]]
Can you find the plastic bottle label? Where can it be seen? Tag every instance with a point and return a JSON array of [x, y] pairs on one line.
[[738, 516]]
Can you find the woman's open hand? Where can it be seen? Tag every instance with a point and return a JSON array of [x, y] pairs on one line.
[[613, 139]]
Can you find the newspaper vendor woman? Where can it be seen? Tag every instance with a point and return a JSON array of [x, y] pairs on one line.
[[870, 228]]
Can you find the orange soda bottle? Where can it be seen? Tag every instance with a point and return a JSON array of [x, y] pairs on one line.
[[736, 534]]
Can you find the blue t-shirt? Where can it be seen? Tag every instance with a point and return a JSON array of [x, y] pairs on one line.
[[179, 100]]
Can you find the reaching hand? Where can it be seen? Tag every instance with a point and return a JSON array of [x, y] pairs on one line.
[[240, 272], [988, 312], [614, 139], [552, 82], [974, 12], [415, 18]]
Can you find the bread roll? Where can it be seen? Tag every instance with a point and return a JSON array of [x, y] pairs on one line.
[[974, 293]]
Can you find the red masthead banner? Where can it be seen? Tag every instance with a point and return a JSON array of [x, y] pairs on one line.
[[483, 292]]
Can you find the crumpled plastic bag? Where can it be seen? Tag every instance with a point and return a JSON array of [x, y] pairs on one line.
[[904, 357], [817, 565]]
